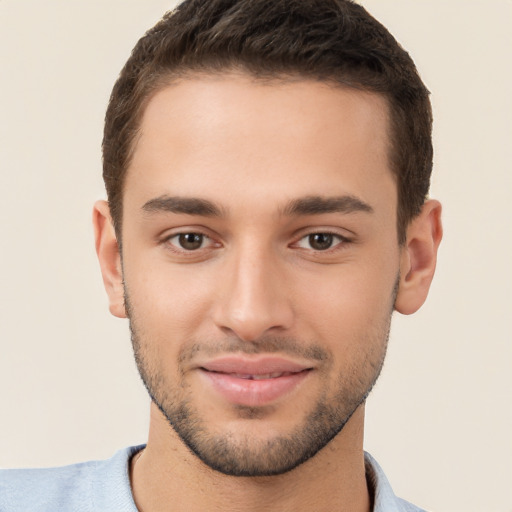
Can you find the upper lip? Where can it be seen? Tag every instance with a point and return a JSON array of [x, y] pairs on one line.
[[259, 366]]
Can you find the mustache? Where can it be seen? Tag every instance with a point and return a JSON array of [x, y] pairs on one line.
[[264, 345]]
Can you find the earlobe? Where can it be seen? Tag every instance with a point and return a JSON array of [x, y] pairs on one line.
[[418, 258], [109, 258]]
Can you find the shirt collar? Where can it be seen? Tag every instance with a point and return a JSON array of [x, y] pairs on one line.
[[384, 499]]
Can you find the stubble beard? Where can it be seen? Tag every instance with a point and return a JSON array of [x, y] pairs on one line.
[[243, 455]]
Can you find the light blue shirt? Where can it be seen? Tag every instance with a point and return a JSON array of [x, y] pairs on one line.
[[104, 486]]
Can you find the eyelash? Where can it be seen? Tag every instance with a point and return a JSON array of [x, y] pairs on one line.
[[183, 250], [338, 242]]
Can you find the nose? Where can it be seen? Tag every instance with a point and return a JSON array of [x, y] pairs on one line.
[[253, 299]]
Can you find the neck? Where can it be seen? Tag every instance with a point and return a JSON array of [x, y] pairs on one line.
[[167, 475]]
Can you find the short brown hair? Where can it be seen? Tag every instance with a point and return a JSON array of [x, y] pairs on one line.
[[328, 40]]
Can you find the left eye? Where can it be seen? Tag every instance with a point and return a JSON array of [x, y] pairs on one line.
[[320, 241], [189, 241]]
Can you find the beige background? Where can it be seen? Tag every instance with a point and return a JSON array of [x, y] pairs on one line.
[[440, 419]]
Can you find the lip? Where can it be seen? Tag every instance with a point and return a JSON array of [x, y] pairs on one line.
[[254, 366], [254, 382]]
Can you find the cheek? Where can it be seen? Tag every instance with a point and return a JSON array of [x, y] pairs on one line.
[[169, 302], [350, 303]]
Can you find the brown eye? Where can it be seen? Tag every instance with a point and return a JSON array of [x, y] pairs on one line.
[[190, 241], [320, 241]]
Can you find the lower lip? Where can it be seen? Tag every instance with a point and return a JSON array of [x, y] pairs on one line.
[[254, 393]]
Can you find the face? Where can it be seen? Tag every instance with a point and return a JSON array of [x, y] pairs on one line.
[[260, 263]]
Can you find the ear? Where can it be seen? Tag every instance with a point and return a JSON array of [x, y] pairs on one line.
[[109, 257], [418, 258]]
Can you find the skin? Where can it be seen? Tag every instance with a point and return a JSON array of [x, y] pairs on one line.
[[255, 150]]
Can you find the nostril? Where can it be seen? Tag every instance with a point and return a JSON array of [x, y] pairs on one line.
[[250, 305]]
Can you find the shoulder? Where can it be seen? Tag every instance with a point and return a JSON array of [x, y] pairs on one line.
[[46, 489], [384, 498], [405, 506], [84, 487]]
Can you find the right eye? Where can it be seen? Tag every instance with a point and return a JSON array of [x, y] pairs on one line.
[[189, 241]]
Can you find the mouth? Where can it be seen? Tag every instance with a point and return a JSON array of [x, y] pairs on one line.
[[256, 382], [263, 376]]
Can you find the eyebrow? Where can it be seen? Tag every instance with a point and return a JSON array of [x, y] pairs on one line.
[[317, 205], [309, 205], [186, 205]]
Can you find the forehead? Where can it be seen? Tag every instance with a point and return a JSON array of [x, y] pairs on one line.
[[221, 133]]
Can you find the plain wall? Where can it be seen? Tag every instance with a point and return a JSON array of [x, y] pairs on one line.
[[439, 420]]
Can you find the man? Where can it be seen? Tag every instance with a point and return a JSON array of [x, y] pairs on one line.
[[267, 166]]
